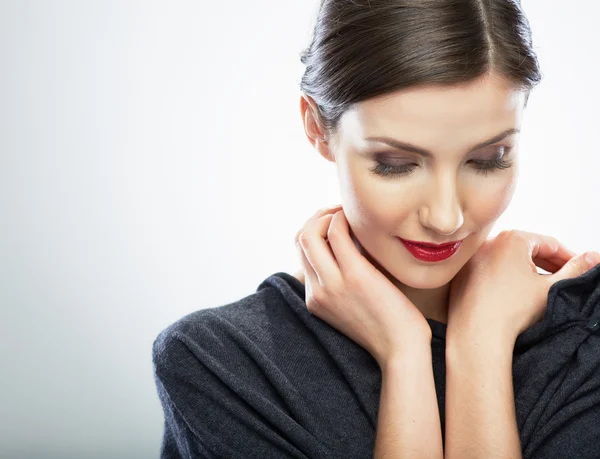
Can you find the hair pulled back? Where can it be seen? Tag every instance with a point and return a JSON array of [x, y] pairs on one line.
[[365, 48]]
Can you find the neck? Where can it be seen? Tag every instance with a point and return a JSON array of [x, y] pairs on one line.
[[433, 303]]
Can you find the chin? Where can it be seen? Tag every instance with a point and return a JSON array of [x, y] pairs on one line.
[[421, 275], [426, 280], [402, 268]]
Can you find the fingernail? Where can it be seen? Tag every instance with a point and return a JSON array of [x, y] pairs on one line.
[[592, 258]]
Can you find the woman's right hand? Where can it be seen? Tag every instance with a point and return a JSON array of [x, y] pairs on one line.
[[345, 290]]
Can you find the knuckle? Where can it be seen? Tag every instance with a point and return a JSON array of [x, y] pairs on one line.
[[582, 267], [519, 237], [555, 242], [319, 213], [303, 239], [324, 211], [503, 235], [512, 236], [311, 304], [333, 233], [319, 296]]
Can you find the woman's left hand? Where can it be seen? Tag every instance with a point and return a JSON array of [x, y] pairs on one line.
[[500, 284]]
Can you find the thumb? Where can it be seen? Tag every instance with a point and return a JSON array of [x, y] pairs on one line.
[[577, 266]]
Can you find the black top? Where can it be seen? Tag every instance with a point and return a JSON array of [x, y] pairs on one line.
[[263, 378]]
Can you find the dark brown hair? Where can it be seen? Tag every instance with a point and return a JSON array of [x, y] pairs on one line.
[[364, 48]]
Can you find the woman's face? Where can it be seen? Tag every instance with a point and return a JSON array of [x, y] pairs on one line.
[[439, 195]]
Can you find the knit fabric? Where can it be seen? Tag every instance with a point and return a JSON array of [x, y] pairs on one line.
[[264, 378]]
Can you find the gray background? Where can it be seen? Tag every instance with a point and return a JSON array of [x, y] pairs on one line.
[[153, 162]]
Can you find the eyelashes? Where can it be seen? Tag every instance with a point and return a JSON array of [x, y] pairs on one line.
[[481, 167]]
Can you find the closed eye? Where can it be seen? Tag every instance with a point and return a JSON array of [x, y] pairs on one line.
[[480, 166]]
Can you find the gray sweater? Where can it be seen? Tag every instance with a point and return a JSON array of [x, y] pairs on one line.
[[263, 378]]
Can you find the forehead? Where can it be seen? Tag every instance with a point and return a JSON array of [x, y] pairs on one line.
[[432, 115]]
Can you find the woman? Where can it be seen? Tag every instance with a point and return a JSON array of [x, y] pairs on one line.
[[382, 345]]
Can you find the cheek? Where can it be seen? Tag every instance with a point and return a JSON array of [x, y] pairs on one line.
[[491, 200], [381, 205]]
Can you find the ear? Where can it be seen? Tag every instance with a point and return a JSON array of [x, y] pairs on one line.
[[313, 128]]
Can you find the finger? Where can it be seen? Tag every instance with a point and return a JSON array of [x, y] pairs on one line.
[[326, 210], [310, 277], [546, 265], [545, 248], [344, 250], [551, 264], [577, 266], [318, 253], [311, 282], [554, 257], [318, 214]]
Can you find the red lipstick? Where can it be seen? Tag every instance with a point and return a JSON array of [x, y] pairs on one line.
[[426, 251]]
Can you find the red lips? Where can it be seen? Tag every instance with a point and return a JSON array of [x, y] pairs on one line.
[[431, 244], [426, 251]]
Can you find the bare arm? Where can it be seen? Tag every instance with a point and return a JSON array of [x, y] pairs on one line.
[[408, 423], [480, 406]]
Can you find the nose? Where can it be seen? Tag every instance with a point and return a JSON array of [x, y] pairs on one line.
[[442, 210]]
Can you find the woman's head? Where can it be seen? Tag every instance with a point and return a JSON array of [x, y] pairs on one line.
[[442, 76]]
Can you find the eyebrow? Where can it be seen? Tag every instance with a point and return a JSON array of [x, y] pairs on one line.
[[406, 146]]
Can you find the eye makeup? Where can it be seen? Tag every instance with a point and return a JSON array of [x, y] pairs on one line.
[[481, 166]]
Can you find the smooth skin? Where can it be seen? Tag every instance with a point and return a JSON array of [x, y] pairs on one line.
[[362, 280], [493, 299], [445, 197], [346, 291]]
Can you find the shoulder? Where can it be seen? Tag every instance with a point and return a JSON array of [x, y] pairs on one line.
[[573, 306], [258, 319], [555, 371], [231, 372]]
